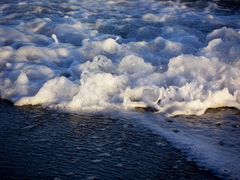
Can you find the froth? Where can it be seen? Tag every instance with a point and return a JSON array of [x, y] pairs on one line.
[[159, 60]]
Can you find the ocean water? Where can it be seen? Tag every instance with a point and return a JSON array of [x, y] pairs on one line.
[[173, 58], [43, 144]]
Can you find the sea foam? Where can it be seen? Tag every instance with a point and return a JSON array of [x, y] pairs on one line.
[[176, 68]]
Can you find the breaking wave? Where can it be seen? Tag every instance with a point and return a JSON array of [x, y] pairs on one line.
[[164, 56]]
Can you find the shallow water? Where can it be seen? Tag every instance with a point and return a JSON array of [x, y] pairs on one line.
[[211, 140], [38, 143]]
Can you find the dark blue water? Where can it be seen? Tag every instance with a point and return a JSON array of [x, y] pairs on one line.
[[42, 144]]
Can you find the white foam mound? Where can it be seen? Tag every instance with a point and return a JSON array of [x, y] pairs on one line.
[[52, 92], [133, 65], [97, 91], [109, 45], [223, 43]]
